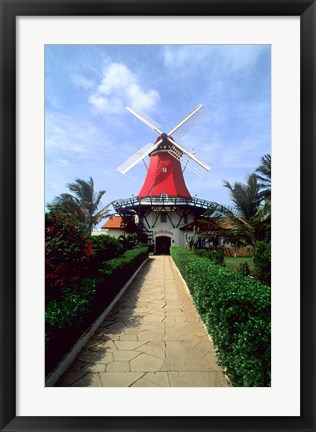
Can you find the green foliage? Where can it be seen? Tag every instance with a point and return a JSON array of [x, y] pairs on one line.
[[245, 196], [151, 246], [82, 302], [84, 203], [128, 242], [244, 268], [264, 176], [262, 262], [250, 219], [192, 241], [236, 312], [216, 256], [104, 248], [73, 304], [68, 253], [122, 268], [233, 263]]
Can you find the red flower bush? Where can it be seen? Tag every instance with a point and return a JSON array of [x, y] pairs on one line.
[[68, 252]]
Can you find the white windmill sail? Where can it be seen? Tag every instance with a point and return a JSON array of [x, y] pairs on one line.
[[186, 119], [194, 167], [191, 155], [189, 163], [190, 123], [145, 119], [137, 157]]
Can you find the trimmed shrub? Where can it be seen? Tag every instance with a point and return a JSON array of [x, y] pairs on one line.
[[73, 304], [105, 248], [244, 268], [117, 271], [236, 312], [262, 262]]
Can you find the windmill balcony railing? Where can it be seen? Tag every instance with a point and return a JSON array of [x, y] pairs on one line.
[[134, 202]]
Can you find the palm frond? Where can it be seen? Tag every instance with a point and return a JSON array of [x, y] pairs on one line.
[[83, 202]]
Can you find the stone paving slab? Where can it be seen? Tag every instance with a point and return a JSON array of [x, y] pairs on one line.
[[153, 337]]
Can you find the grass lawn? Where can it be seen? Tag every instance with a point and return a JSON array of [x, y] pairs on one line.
[[232, 263]]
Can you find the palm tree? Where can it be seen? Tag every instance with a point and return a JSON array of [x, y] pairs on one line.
[[238, 219], [264, 213], [265, 175], [84, 203], [246, 197], [248, 218]]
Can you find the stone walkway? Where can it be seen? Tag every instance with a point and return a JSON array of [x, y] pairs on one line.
[[153, 337]]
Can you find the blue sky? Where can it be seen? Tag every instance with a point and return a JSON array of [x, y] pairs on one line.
[[88, 131]]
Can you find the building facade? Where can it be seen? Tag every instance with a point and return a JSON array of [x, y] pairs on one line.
[[163, 207]]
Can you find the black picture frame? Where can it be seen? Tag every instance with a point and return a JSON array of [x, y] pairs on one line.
[[9, 10]]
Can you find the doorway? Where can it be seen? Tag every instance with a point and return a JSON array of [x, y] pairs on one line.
[[163, 244]]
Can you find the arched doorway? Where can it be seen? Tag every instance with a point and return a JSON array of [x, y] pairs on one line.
[[163, 244]]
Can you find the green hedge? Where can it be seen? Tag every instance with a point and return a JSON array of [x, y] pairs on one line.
[[217, 257], [129, 260], [262, 262], [68, 318], [237, 313]]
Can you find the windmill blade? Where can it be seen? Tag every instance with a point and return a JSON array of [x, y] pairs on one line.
[[190, 163], [196, 168], [188, 117], [137, 157], [188, 125], [191, 155], [187, 161], [145, 119]]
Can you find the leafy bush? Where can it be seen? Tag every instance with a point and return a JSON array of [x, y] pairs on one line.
[[217, 257], [105, 248], [262, 262], [73, 304], [151, 246], [236, 312], [68, 317], [202, 253], [119, 270], [68, 253], [129, 242], [244, 268]]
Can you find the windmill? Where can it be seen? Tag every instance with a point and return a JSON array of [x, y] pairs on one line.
[[166, 155], [164, 206]]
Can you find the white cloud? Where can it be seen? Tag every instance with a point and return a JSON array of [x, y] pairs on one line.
[[52, 100], [234, 58], [62, 163], [238, 58], [120, 87], [184, 54], [82, 82]]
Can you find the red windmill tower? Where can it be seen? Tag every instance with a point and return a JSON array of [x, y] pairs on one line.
[[164, 204]]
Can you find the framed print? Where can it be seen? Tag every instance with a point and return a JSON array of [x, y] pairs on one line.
[[28, 29]]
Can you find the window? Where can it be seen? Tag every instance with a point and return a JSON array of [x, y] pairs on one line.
[[163, 217], [164, 169], [185, 219]]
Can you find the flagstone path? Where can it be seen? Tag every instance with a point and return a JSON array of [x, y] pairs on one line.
[[153, 337]]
